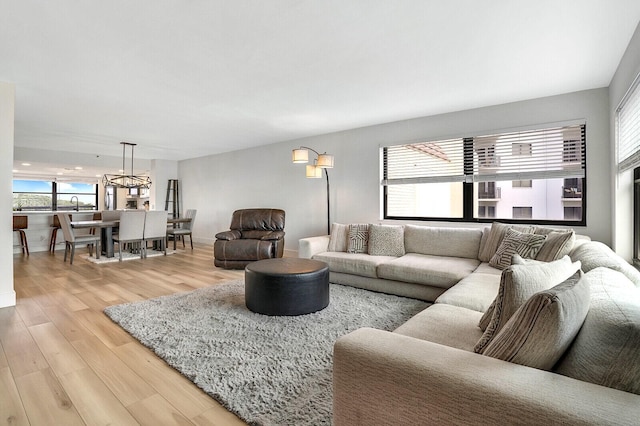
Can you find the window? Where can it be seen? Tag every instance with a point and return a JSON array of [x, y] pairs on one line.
[[526, 183], [465, 179], [32, 195], [522, 212]]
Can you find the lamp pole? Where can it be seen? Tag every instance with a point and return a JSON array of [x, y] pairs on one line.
[[326, 175]]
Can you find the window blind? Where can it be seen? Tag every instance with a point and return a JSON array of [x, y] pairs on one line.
[[424, 162], [557, 152], [628, 128]]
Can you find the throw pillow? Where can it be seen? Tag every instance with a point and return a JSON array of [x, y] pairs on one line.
[[515, 242], [605, 351], [338, 241], [486, 317], [542, 329], [495, 237], [557, 244], [386, 240], [358, 238], [517, 284]]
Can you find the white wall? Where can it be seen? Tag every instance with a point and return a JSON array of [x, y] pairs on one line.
[[161, 172], [7, 111], [265, 177], [622, 194]]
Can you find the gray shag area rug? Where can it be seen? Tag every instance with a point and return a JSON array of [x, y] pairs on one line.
[[267, 370]]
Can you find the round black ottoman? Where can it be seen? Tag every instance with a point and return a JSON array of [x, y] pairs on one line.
[[286, 286]]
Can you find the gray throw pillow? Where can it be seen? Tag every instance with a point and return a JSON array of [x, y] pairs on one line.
[[557, 244], [358, 238], [338, 241], [515, 242], [386, 240], [517, 284], [542, 329]]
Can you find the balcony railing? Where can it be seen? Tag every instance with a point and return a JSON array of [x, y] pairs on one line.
[[569, 192], [491, 194]]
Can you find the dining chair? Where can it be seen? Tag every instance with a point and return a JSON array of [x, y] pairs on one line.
[[131, 230], [185, 229], [20, 223], [72, 240], [155, 229]]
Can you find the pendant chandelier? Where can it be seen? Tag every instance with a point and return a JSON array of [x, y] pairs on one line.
[[126, 181]]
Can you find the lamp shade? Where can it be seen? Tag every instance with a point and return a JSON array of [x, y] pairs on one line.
[[325, 161], [314, 172], [300, 155]]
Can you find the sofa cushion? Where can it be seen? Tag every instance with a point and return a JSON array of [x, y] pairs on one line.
[[386, 240], [593, 254], [557, 245], [437, 271], [358, 238], [436, 241], [516, 242], [339, 238], [606, 350], [444, 324], [352, 263], [542, 329], [496, 234], [475, 292], [517, 284]]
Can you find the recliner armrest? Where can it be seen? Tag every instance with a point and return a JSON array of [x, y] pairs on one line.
[[228, 235], [273, 235]]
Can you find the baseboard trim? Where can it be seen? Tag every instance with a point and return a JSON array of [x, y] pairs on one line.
[[7, 299]]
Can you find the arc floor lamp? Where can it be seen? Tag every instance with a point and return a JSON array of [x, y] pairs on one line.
[[321, 163]]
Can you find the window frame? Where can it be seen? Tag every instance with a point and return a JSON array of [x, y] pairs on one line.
[[469, 207], [54, 193]]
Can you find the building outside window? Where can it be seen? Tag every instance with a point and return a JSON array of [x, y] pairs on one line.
[[466, 178]]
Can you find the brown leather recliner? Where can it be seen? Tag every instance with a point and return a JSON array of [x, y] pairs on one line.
[[254, 234]]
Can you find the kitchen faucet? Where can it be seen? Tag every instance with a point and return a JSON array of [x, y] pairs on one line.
[[77, 203]]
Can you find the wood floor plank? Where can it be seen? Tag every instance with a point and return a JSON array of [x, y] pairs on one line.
[[23, 355], [45, 400], [123, 381], [11, 409], [94, 401], [175, 388], [59, 353], [155, 410]]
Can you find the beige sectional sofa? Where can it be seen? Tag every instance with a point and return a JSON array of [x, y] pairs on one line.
[[428, 370]]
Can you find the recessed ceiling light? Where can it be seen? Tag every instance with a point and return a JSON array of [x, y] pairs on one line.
[[98, 175], [59, 173], [78, 168], [14, 171], [26, 164]]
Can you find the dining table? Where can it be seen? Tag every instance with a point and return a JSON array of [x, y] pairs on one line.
[[106, 232]]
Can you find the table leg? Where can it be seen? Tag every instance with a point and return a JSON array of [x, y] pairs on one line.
[[106, 235]]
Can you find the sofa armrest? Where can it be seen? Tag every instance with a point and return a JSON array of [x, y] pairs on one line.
[[307, 247], [385, 378], [273, 236], [228, 235]]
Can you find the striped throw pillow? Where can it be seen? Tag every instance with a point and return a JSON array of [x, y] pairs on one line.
[[358, 238], [515, 242]]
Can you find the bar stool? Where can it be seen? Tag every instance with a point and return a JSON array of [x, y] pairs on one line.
[[20, 223], [54, 233]]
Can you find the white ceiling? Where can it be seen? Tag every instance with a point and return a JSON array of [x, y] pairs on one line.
[[189, 78]]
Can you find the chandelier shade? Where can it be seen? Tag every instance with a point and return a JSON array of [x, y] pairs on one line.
[[126, 181]]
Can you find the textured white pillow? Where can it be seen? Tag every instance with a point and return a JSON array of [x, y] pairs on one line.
[[515, 242], [386, 240], [517, 284], [358, 238], [338, 241], [541, 330]]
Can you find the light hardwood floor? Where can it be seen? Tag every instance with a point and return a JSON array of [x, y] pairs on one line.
[[63, 362]]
